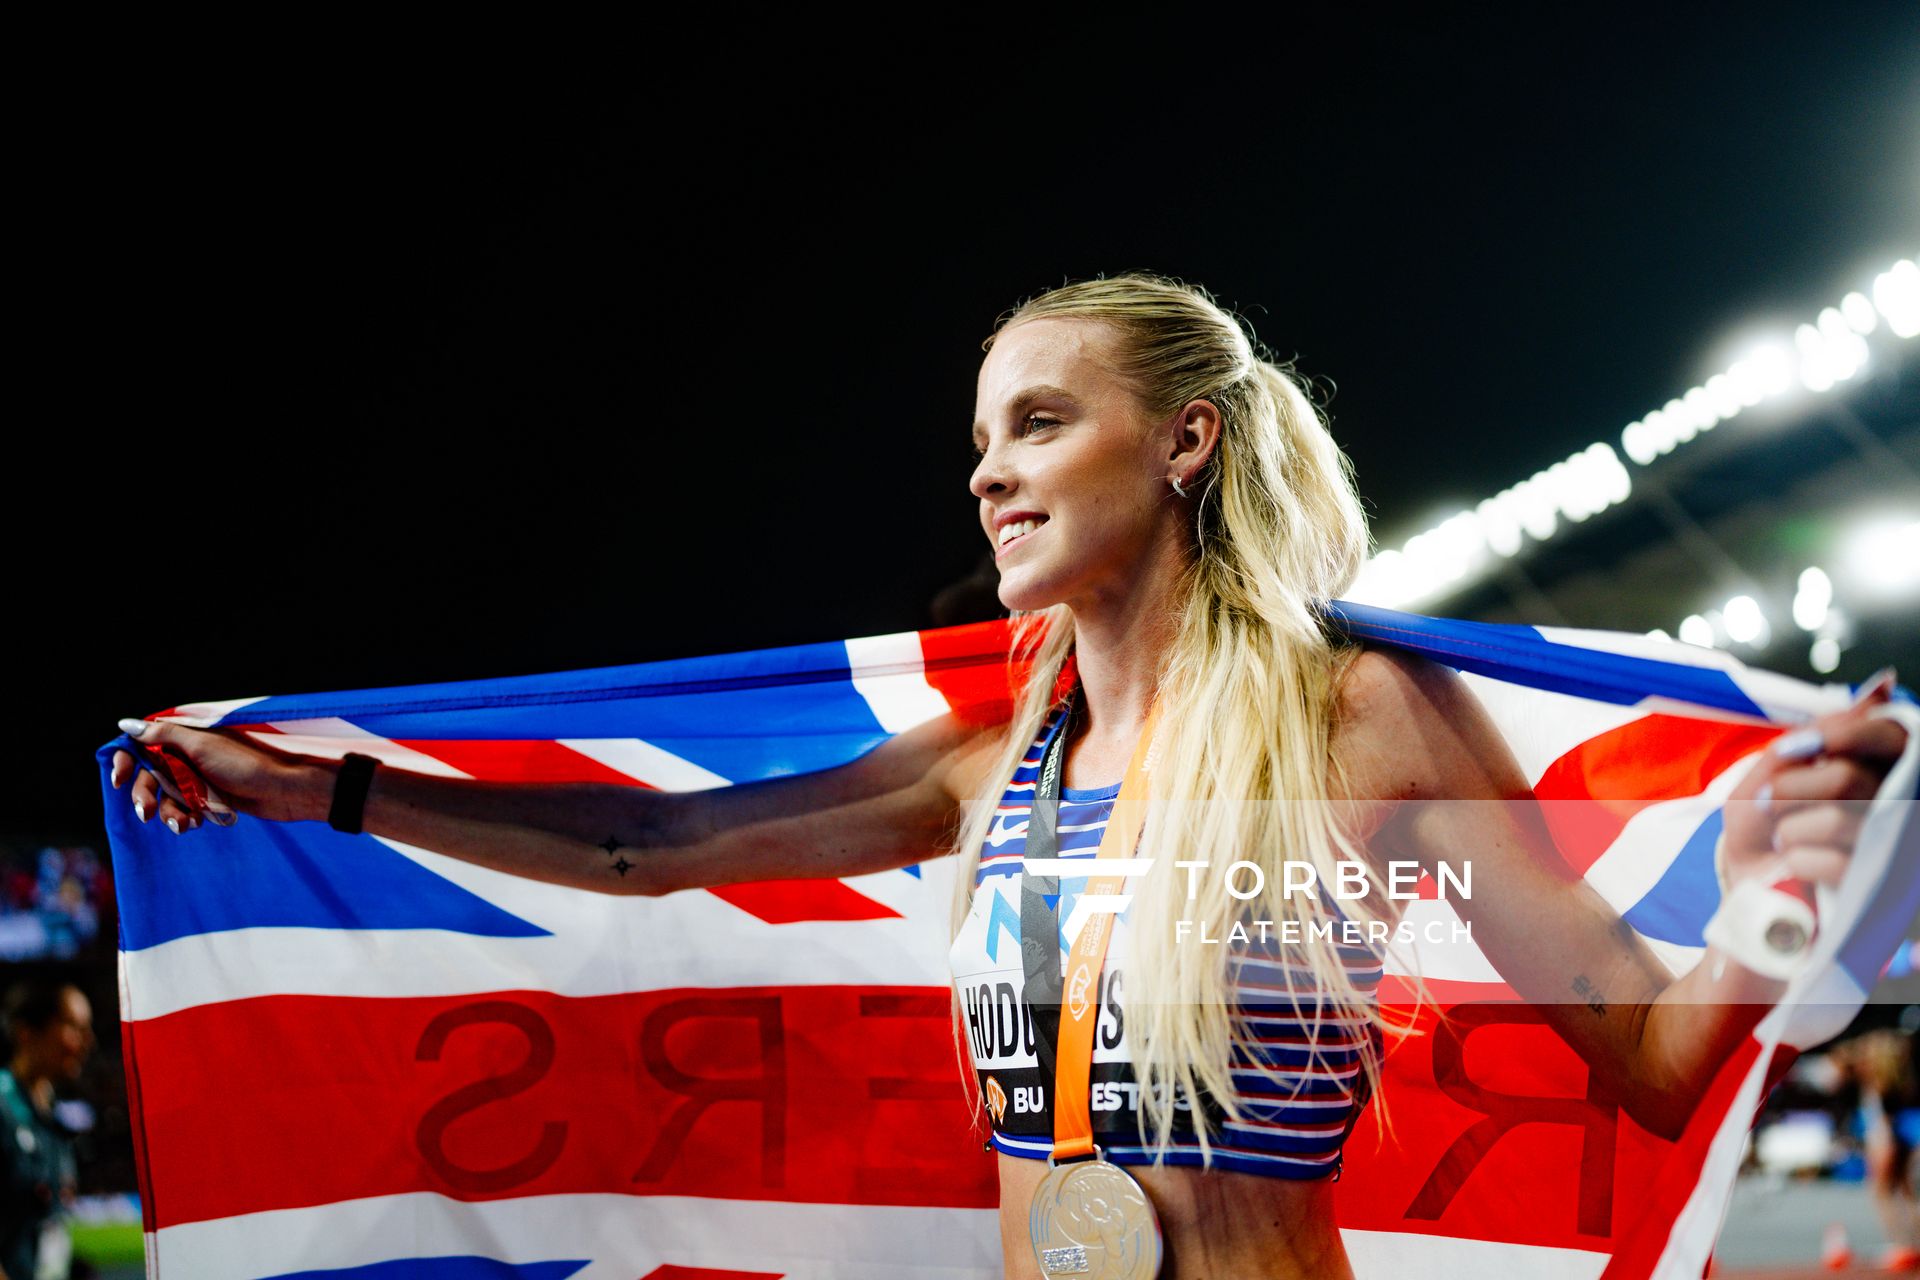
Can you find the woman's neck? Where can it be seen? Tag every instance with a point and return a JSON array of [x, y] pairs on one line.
[[1118, 646]]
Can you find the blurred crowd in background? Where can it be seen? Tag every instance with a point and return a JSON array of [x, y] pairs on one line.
[[67, 1180]]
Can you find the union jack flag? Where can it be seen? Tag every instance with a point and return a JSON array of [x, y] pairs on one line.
[[353, 1058]]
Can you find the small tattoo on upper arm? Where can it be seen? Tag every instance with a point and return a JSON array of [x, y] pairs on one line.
[[611, 844], [1590, 993]]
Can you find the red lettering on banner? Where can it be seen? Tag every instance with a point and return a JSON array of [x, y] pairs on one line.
[[749, 1093], [1501, 1135], [1595, 1116], [766, 1089], [430, 1136]]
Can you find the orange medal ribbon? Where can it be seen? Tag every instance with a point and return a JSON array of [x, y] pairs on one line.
[[1079, 1011]]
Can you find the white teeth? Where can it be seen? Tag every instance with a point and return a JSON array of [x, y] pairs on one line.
[[1009, 532]]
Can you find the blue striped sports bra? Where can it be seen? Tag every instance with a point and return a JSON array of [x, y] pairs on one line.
[[1295, 1121]]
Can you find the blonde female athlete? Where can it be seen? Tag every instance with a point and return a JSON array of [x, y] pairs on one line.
[[1172, 509]]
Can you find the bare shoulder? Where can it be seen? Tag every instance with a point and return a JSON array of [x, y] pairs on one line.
[[1408, 728]]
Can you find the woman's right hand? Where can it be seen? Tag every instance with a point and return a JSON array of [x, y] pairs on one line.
[[240, 775]]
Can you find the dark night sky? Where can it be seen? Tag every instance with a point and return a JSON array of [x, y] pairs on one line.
[[379, 377]]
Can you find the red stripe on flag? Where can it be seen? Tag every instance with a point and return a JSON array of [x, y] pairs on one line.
[[132, 1064], [831, 1094], [672, 1272], [967, 665], [790, 901], [1625, 770], [517, 760]]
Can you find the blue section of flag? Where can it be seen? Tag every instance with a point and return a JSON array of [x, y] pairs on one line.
[[743, 716], [1884, 921], [1521, 655], [258, 873], [464, 1267], [1685, 897]]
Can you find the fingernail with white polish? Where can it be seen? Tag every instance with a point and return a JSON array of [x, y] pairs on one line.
[[1872, 684], [139, 811], [133, 728], [1801, 744], [1764, 797], [173, 825]]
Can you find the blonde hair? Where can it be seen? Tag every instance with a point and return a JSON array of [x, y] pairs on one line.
[[1244, 770]]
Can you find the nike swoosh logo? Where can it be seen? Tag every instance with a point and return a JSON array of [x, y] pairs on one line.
[[1006, 828]]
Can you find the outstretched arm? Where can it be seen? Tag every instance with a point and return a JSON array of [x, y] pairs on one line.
[[891, 807], [1415, 735]]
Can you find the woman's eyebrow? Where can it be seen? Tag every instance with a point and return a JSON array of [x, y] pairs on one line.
[[1042, 391]]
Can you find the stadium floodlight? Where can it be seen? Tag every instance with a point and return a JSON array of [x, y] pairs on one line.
[[1811, 600], [1882, 556], [1897, 293], [1697, 630], [1824, 656], [1744, 621], [1499, 524], [1821, 355], [1720, 391], [1859, 313], [1817, 372], [1775, 364]]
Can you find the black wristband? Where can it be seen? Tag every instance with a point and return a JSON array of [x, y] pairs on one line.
[[350, 792]]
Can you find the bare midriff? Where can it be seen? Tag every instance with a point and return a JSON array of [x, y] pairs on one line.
[[1216, 1225]]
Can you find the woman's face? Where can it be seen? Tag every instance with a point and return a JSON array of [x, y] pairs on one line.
[[1071, 477]]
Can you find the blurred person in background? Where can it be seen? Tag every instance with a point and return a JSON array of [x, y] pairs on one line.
[[1881, 1064], [49, 1026]]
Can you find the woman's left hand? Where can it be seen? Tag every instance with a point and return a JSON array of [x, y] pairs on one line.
[[1798, 811]]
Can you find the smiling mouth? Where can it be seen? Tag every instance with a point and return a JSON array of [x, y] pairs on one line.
[[1015, 532]]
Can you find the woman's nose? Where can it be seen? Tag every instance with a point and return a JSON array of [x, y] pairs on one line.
[[991, 475]]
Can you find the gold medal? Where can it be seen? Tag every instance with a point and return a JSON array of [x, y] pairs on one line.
[[1090, 1218]]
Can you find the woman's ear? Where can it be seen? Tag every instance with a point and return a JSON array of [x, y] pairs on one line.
[[1193, 434]]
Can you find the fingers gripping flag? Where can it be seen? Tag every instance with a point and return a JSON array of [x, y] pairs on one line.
[[354, 1058]]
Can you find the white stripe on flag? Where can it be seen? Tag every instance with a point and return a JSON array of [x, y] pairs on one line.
[[598, 944], [1391, 1255], [655, 766], [1434, 947], [624, 1236], [891, 674], [331, 738], [1650, 841], [1541, 725], [204, 715]]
